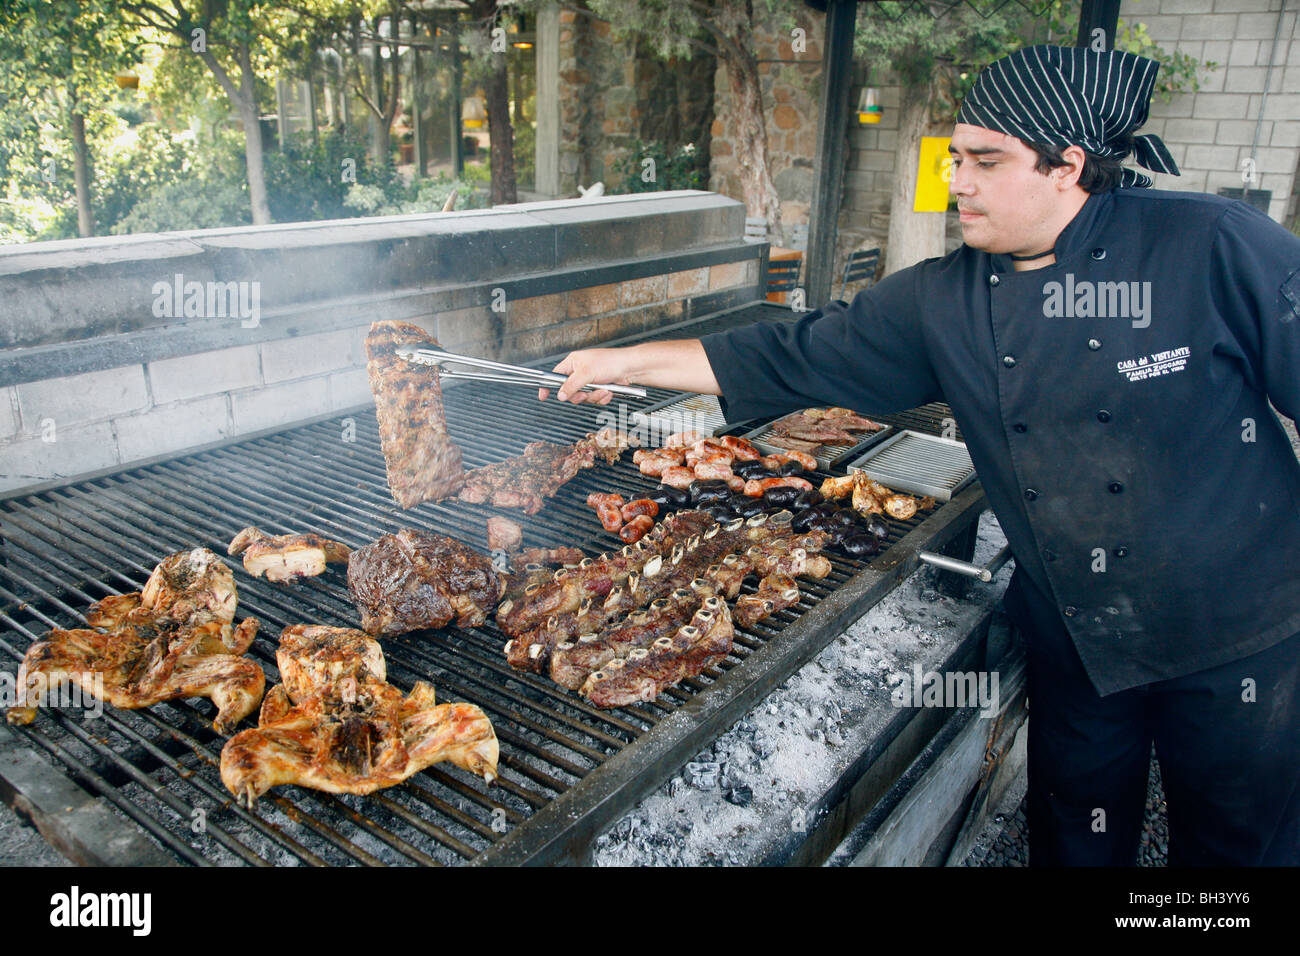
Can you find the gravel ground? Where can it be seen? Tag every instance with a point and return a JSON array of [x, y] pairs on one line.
[[1006, 841]]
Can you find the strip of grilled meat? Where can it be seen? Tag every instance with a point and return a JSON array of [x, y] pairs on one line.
[[527, 480], [172, 640], [416, 579], [422, 462], [336, 724], [286, 557], [646, 671]]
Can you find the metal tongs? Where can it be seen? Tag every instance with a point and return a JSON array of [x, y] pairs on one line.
[[488, 371]]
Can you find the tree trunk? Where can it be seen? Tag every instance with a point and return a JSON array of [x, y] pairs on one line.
[[913, 236], [253, 159], [244, 98], [735, 48], [81, 175], [501, 133], [379, 130]]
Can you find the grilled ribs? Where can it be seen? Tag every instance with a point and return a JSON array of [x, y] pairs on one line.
[[646, 671], [336, 724], [416, 579], [286, 557], [579, 619], [421, 461], [172, 640]]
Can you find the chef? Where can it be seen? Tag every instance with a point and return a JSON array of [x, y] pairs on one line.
[[1110, 353]]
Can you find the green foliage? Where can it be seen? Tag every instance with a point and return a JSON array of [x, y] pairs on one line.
[[424, 195], [305, 181], [188, 205], [525, 154], [1178, 70], [678, 169]]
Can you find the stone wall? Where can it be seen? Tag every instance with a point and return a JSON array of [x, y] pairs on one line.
[[91, 377], [613, 92], [1210, 132]]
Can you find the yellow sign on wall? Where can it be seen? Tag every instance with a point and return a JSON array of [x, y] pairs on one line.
[[933, 173]]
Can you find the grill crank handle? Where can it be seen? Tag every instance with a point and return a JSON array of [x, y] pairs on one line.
[[958, 566]]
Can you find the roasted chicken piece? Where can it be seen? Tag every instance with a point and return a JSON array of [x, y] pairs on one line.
[[336, 724], [416, 579], [174, 639], [286, 557]]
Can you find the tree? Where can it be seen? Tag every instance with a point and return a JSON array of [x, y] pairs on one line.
[[937, 48], [487, 47], [725, 28], [60, 59], [228, 36]]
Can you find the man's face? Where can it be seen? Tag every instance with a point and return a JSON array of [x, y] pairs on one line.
[[1006, 205]]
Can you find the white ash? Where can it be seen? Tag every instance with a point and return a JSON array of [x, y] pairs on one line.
[[757, 782]]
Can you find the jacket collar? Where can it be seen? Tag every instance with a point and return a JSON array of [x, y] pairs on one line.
[[1078, 234]]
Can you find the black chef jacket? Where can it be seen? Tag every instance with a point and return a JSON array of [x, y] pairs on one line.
[[1123, 434]]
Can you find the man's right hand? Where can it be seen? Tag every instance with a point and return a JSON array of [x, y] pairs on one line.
[[607, 366], [680, 364]]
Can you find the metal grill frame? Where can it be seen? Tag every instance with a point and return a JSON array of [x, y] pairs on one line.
[[561, 829]]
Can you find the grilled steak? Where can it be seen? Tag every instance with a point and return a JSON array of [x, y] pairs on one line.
[[336, 724], [416, 579], [423, 464]]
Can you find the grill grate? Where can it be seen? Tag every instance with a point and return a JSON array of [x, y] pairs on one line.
[[64, 548], [919, 463]]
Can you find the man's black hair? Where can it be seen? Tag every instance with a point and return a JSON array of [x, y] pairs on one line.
[[1100, 173]]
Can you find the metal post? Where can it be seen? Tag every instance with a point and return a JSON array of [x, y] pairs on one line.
[[457, 150], [832, 141], [1098, 21], [417, 102]]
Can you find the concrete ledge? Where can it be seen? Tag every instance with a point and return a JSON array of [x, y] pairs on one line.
[[72, 290]]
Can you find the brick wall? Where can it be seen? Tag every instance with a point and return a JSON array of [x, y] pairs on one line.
[[306, 358], [1210, 132]]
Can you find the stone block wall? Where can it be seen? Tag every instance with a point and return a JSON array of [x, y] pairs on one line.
[[91, 378], [1210, 132]]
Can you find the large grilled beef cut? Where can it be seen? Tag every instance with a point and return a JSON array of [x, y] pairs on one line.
[[423, 464], [416, 579]]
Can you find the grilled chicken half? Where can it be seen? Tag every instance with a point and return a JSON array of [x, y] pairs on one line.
[[286, 557], [174, 639], [336, 724]]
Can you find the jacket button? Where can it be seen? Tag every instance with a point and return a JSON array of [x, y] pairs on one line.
[[1099, 254], [1121, 552], [1049, 555], [994, 280], [1103, 416], [1009, 361], [1031, 494], [1094, 344], [1020, 427], [1071, 610], [1115, 487]]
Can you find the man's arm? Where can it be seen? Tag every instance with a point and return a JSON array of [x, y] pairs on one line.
[[679, 364]]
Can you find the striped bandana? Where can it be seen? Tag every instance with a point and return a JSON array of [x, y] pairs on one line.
[[1071, 96]]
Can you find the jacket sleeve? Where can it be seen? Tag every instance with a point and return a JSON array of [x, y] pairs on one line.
[[869, 356], [1255, 281]]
